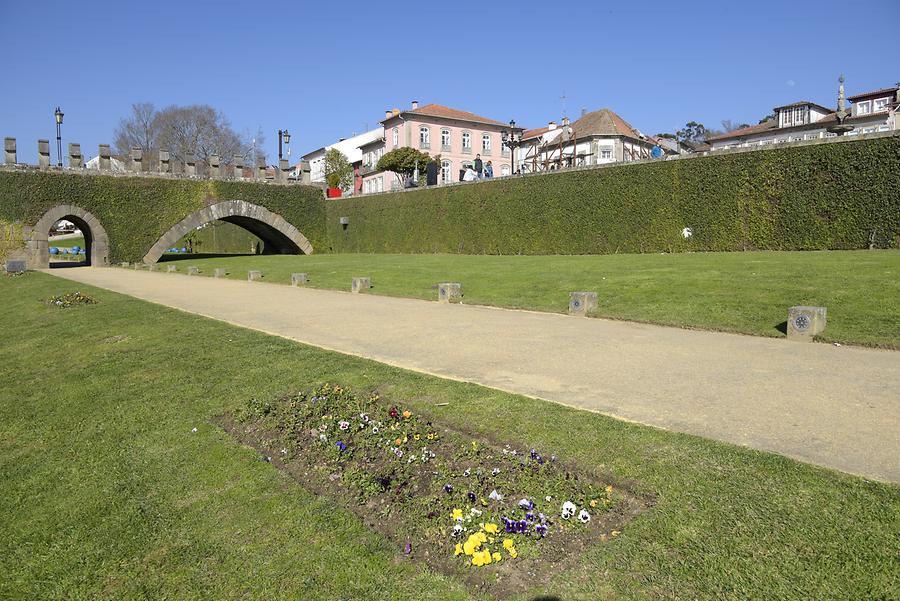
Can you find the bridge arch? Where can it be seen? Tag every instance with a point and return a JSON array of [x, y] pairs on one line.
[[278, 236], [96, 241]]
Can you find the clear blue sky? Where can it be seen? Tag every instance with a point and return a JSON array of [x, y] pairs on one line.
[[328, 69]]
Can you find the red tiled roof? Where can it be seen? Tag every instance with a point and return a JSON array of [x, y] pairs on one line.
[[803, 103], [746, 131], [533, 133], [882, 91], [604, 122], [772, 125], [437, 110]]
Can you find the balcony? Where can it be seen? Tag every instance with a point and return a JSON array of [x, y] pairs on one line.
[[425, 145]]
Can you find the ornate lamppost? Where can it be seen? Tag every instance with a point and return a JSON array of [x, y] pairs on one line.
[[284, 136], [58, 114], [512, 139]]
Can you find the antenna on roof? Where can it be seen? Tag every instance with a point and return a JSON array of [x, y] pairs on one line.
[[583, 111], [563, 99]]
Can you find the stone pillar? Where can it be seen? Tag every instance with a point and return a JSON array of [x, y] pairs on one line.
[[305, 173], [238, 162], [582, 302], [9, 151], [137, 160], [190, 165], [804, 323], [282, 172], [104, 157], [254, 276], [193, 270], [76, 161], [357, 284], [164, 166], [261, 168], [171, 268], [450, 292], [44, 154], [214, 168], [298, 278], [220, 272]]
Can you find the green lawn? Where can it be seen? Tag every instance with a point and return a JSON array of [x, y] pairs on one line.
[[68, 242], [107, 494], [737, 292]]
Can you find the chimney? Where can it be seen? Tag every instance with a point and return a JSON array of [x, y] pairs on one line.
[[415, 104], [395, 112], [388, 114], [551, 125], [565, 121]]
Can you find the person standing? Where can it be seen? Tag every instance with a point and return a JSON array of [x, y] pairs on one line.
[[488, 170], [479, 166]]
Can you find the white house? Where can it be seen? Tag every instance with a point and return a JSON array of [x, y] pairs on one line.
[[350, 147]]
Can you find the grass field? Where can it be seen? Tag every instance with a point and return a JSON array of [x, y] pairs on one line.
[[738, 292], [108, 494]]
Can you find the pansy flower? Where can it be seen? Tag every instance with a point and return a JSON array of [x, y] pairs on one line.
[[584, 516], [343, 424], [471, 496], [407, 414], [526, 504], [568, 510], [495, 495], [393, 412], [540, 529], [457, 514], [448, 488], [341, 445]]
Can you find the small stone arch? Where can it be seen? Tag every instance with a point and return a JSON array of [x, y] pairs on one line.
[[96, 241], [278, 236]]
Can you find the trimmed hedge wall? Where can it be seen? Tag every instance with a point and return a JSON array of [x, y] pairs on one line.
[[821, 196], [136, 211]]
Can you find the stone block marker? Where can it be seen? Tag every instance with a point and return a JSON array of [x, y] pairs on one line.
[[254, 276], [582, 302], [193, 270], [44, 154], [449, 292], [171, 268], [357, 284], [104, 156], [9, 151], [803, 323], [123, 264], [138, 265], [298, 278], [76, 161], [152, 267], [220, 272], [15, 266]]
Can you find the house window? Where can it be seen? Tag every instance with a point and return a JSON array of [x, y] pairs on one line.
[[868, 130], [786, 118], [605, 154], [881, 104], [883, 128], [467, 142], [486, 143], [445, 139], [424, 137], [864, 108], [395, 137], [446, 172]]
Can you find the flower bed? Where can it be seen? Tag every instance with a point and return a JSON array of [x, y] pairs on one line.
[[71, 299], [501, 517]]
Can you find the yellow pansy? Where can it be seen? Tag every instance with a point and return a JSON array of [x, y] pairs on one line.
[[407, 414], [417, 436], [490, 528], [457, 514], [481, 558], [481, 536], [496, 555], [508, 543], [471, 545], [458, 550]]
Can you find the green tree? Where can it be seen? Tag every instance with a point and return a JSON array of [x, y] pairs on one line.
[[691, 132], [402, 161], [338, 172]]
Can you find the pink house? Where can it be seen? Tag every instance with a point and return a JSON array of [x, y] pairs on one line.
[[457, 136]]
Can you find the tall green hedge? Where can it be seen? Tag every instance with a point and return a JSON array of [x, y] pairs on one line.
[[136, 211], [823, 196]]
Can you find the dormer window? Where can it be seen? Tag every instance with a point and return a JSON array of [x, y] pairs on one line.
[[864, 108], [881, 104]]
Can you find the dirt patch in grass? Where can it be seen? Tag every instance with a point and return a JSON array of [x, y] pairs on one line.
[[433, 491]]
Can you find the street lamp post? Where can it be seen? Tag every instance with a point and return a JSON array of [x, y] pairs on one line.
[[283, 135], [58, 114], [512, 140]]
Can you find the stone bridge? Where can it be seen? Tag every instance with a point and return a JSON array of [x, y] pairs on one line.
[[136, 215]]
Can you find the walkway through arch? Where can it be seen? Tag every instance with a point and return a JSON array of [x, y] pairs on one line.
[[96, 242]]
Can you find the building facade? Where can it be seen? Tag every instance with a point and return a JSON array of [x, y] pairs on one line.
[[804, 120], [596, 138], [351, 148], [456, 136]]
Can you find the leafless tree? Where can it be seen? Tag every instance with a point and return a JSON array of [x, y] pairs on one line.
[[139, 130]]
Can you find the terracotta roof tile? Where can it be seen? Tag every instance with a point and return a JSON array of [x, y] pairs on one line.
[[882, 91], [597, 123], [437, 110]]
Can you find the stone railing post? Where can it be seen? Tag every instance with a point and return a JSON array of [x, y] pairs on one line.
[[164, 166], [190, 165], [103, 157], [9, 151], [76, 161], [137, 160], [44, 154], [282, 172], [261, 168], [214, 169], [238, 162]]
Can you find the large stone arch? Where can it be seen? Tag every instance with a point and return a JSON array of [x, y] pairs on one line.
[[278, 236], [96, 242]]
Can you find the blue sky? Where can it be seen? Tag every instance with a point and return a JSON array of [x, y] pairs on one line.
[[329, 69]]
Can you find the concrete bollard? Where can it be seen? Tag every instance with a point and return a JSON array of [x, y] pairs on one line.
[[254, 276], [9, 151], [163, 165], [171, 268], [261, 168], [190, 165], [220, 272], [193, 270], [123, 264], [803, 323], [298, 278], [137, 266], [152, 267], [15, 266], [136, 164], [357, 284], [582, 302], [104, 157], [214, 168], [449, 292]]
